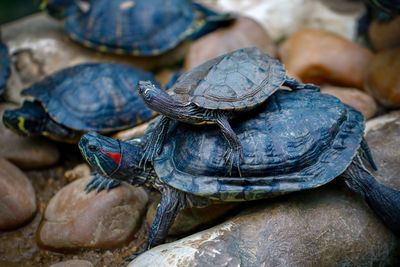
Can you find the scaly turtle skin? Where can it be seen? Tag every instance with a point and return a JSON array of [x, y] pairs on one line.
[[5, 66], [215, 92], [87, 97], [296, 141], [140, 27]]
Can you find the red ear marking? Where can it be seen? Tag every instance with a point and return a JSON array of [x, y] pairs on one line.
[[115, 156]]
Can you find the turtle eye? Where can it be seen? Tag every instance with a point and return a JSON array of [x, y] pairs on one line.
[[93, 148]]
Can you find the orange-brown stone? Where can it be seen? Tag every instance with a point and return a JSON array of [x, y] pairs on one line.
[[321, 57], [385, 35]]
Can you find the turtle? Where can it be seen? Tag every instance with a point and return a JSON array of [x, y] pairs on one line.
[[5, 66], [140, 27], [85, 97], [215, 92], [296, 140]]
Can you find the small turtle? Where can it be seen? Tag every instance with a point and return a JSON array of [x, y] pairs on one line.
[[5, 66], [86, 97], [215, 92], [296, 141], [140, 27]]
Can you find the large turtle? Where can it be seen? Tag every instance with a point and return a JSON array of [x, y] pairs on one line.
[[215, 92], [296, 141], [86, 97], [5, 65], [140, 27]]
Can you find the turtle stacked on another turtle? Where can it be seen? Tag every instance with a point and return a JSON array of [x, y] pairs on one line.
[[5, 66], [139, 28], [294, 141], [215, 92], [87, 97]]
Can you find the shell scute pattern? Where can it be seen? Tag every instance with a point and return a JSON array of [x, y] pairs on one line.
[[5, 64], [282, 151], [93, 96], [143, 27]]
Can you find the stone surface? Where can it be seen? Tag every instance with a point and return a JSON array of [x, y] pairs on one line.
[[79, 171], [25, 152], [242, 33], [354, 98], [382, 77], [322, 57], [328, 226], [40, 46], [385, 35], [191, 219], [73, 263], [17, 197], [132, 132], [74, 219], [284, 17]]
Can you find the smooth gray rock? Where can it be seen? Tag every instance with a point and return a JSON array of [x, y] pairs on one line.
[[73, 263]]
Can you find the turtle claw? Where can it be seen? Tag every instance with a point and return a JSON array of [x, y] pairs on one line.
[[99, 182], [136, 254], [233, 157]]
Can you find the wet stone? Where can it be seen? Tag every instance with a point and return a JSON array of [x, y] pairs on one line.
[[355, 98], [25, 152], [321, 57], [18, 199], [73, 263], [244, 32], [74, 219], [382, 78]]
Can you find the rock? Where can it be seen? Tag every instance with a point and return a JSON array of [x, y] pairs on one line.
[[79, 171], [328, 226], [40, 46], [383, 137], [354, 98], [242, 33], [74, 219], [73, 263], [382, 77], [132, 132], [321, 57], [18, 199], [192, 218], [26, 152], [283, 18], [385, 35]]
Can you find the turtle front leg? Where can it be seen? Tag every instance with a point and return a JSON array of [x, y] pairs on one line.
[[383, 200], [100, 182], [155, 142], [234, 156], [171, 202], [296, 85]]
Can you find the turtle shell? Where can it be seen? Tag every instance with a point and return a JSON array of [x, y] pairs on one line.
[[140, 27], [237, 80], [93, 96], [5, 64], [297, 140]]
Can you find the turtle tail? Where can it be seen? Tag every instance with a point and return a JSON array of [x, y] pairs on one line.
[[383, 200], [366, 154]]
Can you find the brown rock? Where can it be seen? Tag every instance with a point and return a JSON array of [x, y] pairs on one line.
[[79, 171], [74, 219], [132, 132], [385, 35], [382, 78], [244, 32], [73, 263], [321, 57], [17, 197], [354, 98], [25, 152], [192, 218]]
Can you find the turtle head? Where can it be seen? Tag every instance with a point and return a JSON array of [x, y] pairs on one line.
[[28, 120], [56, 8], [112, 158], [148, 91]]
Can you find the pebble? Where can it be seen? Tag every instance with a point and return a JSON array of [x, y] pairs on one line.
[[73, 263]]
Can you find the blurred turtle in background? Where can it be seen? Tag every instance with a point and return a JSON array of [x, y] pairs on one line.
[[139, 28], [5, 66], [87, 97]]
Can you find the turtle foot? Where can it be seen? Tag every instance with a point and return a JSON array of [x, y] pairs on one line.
[[100, 182], [135, 255], [233, 158], [150, 152]]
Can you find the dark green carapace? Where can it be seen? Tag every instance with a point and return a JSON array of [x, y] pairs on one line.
[[215, 92], [136, 27], [5, 66], [296, 140], [87, 97]]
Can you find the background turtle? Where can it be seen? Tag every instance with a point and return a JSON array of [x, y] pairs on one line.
[[86, 97], [297, 140], [5, 65], [214, 92], [140, 27]]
